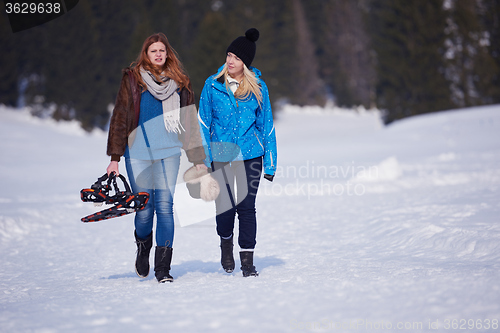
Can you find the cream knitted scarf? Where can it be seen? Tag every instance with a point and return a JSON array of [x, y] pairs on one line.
[[165, 92]]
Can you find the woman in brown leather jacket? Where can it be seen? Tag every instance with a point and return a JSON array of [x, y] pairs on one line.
[[153, 118]]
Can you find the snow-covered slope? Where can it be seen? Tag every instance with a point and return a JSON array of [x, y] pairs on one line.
[[365, 228]]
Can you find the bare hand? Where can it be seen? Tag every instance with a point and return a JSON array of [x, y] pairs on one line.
[[113, 167]]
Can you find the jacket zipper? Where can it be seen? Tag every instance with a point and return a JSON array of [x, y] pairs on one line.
[[259, 141], [270, 155]]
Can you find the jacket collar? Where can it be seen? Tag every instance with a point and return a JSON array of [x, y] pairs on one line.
[[221, 79], [253, 69], [220, 85]]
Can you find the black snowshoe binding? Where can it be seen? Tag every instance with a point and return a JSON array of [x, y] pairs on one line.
[[125, 202]]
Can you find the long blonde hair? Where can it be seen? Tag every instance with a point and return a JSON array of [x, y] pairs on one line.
[[249, 84]]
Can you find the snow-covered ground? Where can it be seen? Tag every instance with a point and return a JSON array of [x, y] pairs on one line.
[[365, 228]]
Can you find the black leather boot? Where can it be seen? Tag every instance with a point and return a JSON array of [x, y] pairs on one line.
[[227, 258], [163, 258], [247, 267], [142, 260]]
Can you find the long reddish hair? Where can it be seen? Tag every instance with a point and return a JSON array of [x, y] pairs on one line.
[[172, 68]]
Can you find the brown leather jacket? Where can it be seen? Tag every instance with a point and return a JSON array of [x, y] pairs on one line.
[[125, 119]]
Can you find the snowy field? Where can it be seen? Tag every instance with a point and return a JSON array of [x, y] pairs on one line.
[[366, 228]]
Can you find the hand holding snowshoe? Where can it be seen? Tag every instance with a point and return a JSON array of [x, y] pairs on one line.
[[125, 202]]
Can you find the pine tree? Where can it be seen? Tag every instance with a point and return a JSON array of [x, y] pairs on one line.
[[489, 70], [209, 49], [408, 38], [308, 88], [8, 61], [276, 47], [471, 68], [346, 62], [398, 54], [72, 65]]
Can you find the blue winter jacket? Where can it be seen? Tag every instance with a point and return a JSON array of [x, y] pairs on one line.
[[237, 129]]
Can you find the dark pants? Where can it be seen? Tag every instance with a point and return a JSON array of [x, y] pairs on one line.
[[246, 175]]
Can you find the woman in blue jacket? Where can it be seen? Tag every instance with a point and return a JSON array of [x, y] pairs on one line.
[[237, 124]]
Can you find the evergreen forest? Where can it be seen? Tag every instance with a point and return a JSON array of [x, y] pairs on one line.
[[403, 57]]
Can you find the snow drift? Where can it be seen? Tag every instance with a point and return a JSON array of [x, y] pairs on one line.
[[365, 228]]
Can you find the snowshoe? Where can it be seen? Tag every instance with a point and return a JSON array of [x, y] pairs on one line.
[[125, 202]]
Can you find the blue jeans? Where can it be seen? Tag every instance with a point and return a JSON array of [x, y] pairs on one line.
[[246, 174], [158, 178]]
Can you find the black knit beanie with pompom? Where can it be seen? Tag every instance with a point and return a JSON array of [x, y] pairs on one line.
[[244, 46]]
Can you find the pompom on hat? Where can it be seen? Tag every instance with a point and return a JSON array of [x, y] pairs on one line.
[[244, 46]]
